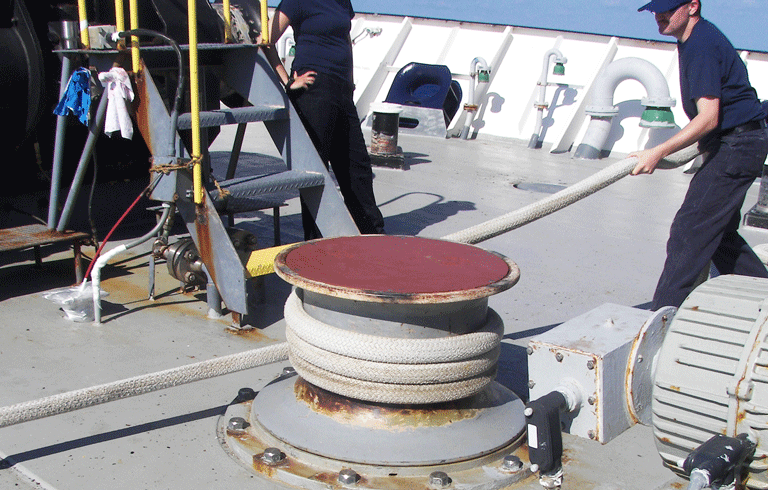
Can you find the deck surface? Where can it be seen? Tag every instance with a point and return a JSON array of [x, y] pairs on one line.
[[608, 248]]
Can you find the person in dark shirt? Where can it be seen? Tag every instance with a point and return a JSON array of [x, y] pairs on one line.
[[321, 88], [728, 123]]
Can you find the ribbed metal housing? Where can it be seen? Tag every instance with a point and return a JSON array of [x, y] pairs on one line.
[[712, 372]]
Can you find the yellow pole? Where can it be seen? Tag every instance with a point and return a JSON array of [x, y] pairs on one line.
[[264, 23], [120, 19], [83, 14], [227, 22], [194, 89], [134, 8]]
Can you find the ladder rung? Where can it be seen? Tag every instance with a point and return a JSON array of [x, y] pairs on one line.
[[272, 183], [238, 115]]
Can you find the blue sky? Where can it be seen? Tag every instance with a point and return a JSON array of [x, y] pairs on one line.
[[742, 21]]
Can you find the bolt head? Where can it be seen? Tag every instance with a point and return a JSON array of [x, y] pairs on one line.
[[439, 479], [272, 456], [531, 383], [591, 434], [511, 463], [559, 357], [528, 411], [289, 370], [591, 400], [237, 424], [529, 350], [348, 477], [591, 364]]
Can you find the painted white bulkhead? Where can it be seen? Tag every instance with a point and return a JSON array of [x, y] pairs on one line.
[[515, 55]]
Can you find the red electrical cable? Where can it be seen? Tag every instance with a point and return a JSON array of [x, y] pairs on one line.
[[106, 238]]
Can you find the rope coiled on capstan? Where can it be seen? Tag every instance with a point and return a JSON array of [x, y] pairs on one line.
[[391, 370]]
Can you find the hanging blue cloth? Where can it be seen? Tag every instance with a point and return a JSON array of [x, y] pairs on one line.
[[77, 96]]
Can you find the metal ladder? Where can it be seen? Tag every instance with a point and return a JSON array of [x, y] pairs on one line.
[[244, 69]]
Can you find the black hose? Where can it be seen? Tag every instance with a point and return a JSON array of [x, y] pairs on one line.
[[179, 85]]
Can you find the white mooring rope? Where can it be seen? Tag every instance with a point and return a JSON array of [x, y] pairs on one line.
[[424, 379], [391, 370], [565, 197], [88, 397]]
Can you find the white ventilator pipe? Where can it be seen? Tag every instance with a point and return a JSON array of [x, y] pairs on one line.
[[559, 200], [602, 110], [478, 72], [541, 100], [75, 400]]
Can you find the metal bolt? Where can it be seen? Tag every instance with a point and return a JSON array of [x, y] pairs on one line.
[[244, 394], [639, 359], [512, 463], [272, 456], [531, 383], [188, 193], [528, 411], [591, 364], [289, 370], [190, 277], [237, 424], [348, 477], [591, 400], [439, 479], [534, 468], [591, 434], [529, 350], [559, 357]]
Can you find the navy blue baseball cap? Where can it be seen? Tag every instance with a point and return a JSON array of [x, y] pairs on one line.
[[662, 5]]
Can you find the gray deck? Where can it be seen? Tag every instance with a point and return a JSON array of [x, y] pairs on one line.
[[606, 248]]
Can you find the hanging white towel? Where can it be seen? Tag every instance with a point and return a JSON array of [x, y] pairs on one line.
[[120, 94]]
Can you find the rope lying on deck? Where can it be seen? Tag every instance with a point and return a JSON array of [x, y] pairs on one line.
[[74, 400], [96, 395], [565, 197]]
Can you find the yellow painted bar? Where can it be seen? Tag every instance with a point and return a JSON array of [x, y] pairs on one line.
[[264, 23], [82, 12], [227, 22], [262, 262], [194, 89], [134, 13], [120, 19]]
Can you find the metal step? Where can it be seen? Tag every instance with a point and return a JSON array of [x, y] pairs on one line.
[[238, 115], [251, 186]]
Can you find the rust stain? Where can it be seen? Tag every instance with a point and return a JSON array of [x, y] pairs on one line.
[[676, 484], [248, 334], [141, 104], [204, 244], [390, 417], [674, 388], [327, 478], [269, 470]]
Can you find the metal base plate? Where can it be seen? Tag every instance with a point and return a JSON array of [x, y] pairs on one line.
[[317, 421], [255, 448]]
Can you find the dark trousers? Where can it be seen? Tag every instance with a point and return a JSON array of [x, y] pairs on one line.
[[706, 226], [329, 114]]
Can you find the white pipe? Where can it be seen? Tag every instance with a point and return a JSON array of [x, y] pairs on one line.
[[103, 259], [474, 100], [602, 108], [541, 101]]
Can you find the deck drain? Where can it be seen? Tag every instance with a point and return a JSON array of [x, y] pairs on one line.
[[539, 187]]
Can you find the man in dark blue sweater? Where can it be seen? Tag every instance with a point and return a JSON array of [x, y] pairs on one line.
[[728, 123]]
